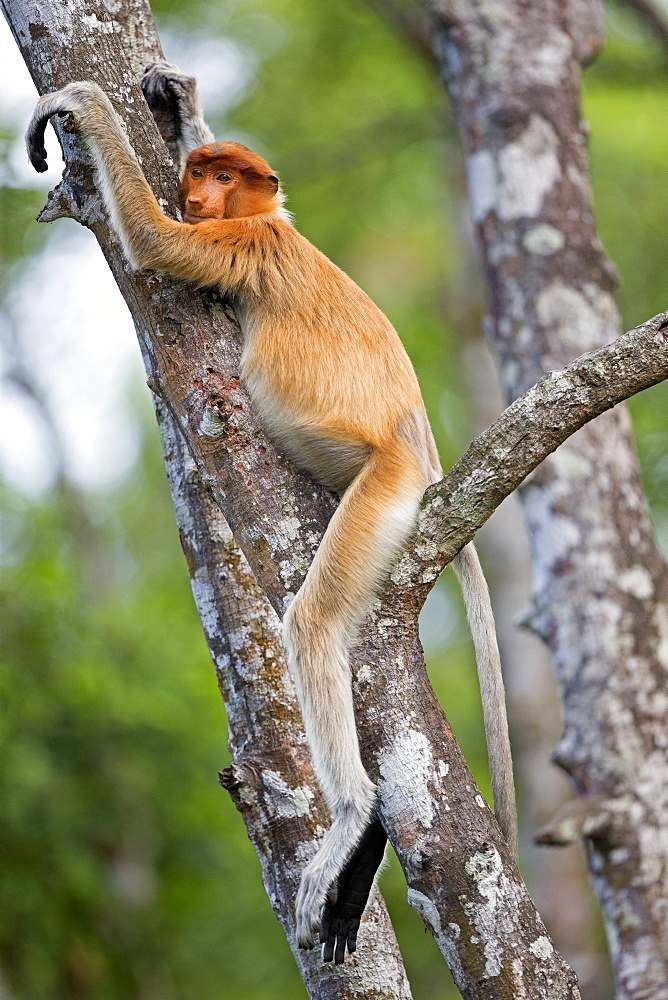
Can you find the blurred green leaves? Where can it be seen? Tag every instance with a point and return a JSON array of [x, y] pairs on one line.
[[125, 871]]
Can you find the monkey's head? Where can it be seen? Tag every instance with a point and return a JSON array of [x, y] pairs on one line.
[[225, 180]]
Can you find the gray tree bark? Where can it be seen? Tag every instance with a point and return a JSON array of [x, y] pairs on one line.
[[271, 778], [461, 877], [558, 879], [600, 598]]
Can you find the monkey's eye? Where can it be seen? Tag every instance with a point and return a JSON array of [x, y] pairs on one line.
[[196, 173], [225, 178]]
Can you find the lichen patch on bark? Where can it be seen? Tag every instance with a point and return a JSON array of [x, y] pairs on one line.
[[406, 775]]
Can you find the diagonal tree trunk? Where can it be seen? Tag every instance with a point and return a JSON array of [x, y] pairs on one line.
[[271, 778], [600, 597]]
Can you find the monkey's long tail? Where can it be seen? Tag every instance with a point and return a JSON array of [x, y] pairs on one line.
[[367, 532], [481, 621]]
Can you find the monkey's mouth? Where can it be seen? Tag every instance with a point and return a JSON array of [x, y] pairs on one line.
[[189, 217]]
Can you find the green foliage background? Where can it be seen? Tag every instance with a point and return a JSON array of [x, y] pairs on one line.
[[124, 870]]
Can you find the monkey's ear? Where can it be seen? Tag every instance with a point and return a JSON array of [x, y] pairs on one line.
[[273, 181]]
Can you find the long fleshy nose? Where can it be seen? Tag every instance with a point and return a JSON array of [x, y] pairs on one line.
[[196, 200]]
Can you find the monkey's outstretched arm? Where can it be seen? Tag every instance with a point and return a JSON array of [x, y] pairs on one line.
[[150, 239], [135, 213], [166, 86]]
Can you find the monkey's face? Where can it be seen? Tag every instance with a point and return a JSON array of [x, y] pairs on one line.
[[205, 193], [226, 181]]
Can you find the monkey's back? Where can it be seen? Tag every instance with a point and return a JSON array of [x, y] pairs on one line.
[[319, 354]]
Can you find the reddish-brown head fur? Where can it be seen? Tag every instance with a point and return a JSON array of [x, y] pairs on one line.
[[225, 180]]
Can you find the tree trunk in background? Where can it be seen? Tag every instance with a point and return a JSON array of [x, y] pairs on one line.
[[557, 879], [600, 590]]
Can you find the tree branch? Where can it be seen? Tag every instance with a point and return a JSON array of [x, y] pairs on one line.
[[600, 597], [654, 17], [529, 430]]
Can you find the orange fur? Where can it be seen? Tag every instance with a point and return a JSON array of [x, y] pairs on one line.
[[333, 385]]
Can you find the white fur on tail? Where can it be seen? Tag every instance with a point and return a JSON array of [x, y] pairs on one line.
[[483, 631]]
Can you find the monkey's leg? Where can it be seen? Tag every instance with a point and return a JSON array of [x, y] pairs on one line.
[[341, 914], [366, 533]]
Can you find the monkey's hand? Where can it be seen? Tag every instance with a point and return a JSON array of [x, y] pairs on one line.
[[168, 90], [341, 914], [35, 142], [84, 100], [164, 83]]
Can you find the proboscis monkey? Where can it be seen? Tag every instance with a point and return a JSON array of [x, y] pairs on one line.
[[335, 389]]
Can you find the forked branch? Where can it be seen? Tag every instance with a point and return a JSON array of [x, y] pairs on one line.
[[529, 429]]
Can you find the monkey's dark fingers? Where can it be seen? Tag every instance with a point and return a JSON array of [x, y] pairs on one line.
[[38, 160], [35, 139], [74, 98], [335, 934], [163, 81], [154, 82]]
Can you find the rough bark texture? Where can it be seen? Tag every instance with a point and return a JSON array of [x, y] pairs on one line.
[[558, 879], [461, 877], [600, 596], [271, 778], [529, 430]]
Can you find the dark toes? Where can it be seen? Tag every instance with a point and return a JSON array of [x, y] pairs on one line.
[[337, 933], [325, 925], [38, 159], [153, 83]]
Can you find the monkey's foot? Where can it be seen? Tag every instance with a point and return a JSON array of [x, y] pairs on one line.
[[346, 902], [164, 83]]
